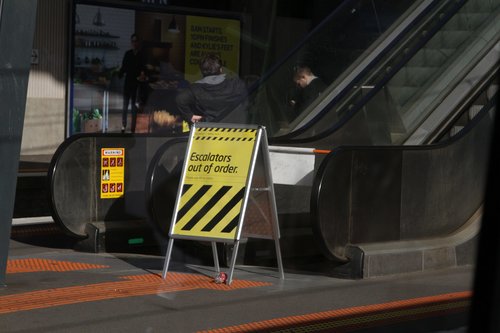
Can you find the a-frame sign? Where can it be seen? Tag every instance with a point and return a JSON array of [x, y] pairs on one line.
[[226, 190]]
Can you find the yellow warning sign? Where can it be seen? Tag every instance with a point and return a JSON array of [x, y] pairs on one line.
[[214, 182], [112, 172]]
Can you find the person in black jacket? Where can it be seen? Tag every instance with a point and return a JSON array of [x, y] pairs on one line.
[[212, 97], [133, 67], [309, 87]]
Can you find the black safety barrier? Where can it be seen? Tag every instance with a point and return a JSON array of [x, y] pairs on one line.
[[75, 180], [377, 194]]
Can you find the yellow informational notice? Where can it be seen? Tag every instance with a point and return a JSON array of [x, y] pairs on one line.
[[211, 35], [112, 172], [214, 182]]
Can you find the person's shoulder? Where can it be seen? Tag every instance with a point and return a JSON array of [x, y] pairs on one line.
[[235, 81], [318, 82]]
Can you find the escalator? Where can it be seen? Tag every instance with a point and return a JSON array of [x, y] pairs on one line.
[[400, 209], [383, 96], [406, 99], [359, 107], [375, 80]]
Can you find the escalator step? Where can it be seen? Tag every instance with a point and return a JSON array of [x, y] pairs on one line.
[[474, 110]]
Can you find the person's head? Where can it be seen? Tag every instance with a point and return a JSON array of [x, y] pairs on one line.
[[302, 76], [211, 64], [134, 41]]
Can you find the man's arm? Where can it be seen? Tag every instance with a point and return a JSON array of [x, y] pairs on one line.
[[185, 104]]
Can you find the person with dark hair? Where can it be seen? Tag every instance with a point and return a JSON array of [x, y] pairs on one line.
[[309, 87], [212, 97], [133, 67]]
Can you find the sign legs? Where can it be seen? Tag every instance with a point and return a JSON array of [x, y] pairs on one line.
[[233, 262], [167, 258], [278, 256], [216, 257]]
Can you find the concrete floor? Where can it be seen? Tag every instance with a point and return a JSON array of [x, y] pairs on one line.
[[52, 288]]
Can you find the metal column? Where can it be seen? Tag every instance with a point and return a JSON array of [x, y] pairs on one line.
[[16, 40]]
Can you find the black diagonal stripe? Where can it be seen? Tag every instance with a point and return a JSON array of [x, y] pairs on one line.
[[212, 202], [234, 222], [217, 218], [192, 201], [185, 188]]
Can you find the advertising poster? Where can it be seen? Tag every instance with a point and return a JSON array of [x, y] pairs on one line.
[[112, 173], [211, 35]]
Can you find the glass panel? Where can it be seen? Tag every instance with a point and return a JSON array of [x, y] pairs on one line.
[[440, 64], [128, 64], [329, 51], [393, 97]]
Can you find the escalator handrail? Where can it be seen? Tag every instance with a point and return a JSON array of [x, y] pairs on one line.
[[150, 182], [350, 82], [358, 106], [56, 166]]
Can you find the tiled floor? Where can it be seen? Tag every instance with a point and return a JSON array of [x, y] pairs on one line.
[[52, 288]]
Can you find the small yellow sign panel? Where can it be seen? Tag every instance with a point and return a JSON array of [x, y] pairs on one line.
[[112, 173], [214, 184]]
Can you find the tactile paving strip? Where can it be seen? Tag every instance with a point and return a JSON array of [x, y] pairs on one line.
[[47, 265], [355, 318], [136, 285]]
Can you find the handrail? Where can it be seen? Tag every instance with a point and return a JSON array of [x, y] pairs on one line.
[[75, 179], [344, 87], [334, 36], [376, 89]]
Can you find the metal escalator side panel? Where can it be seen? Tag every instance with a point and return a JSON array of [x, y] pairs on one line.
[[385, 195]]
